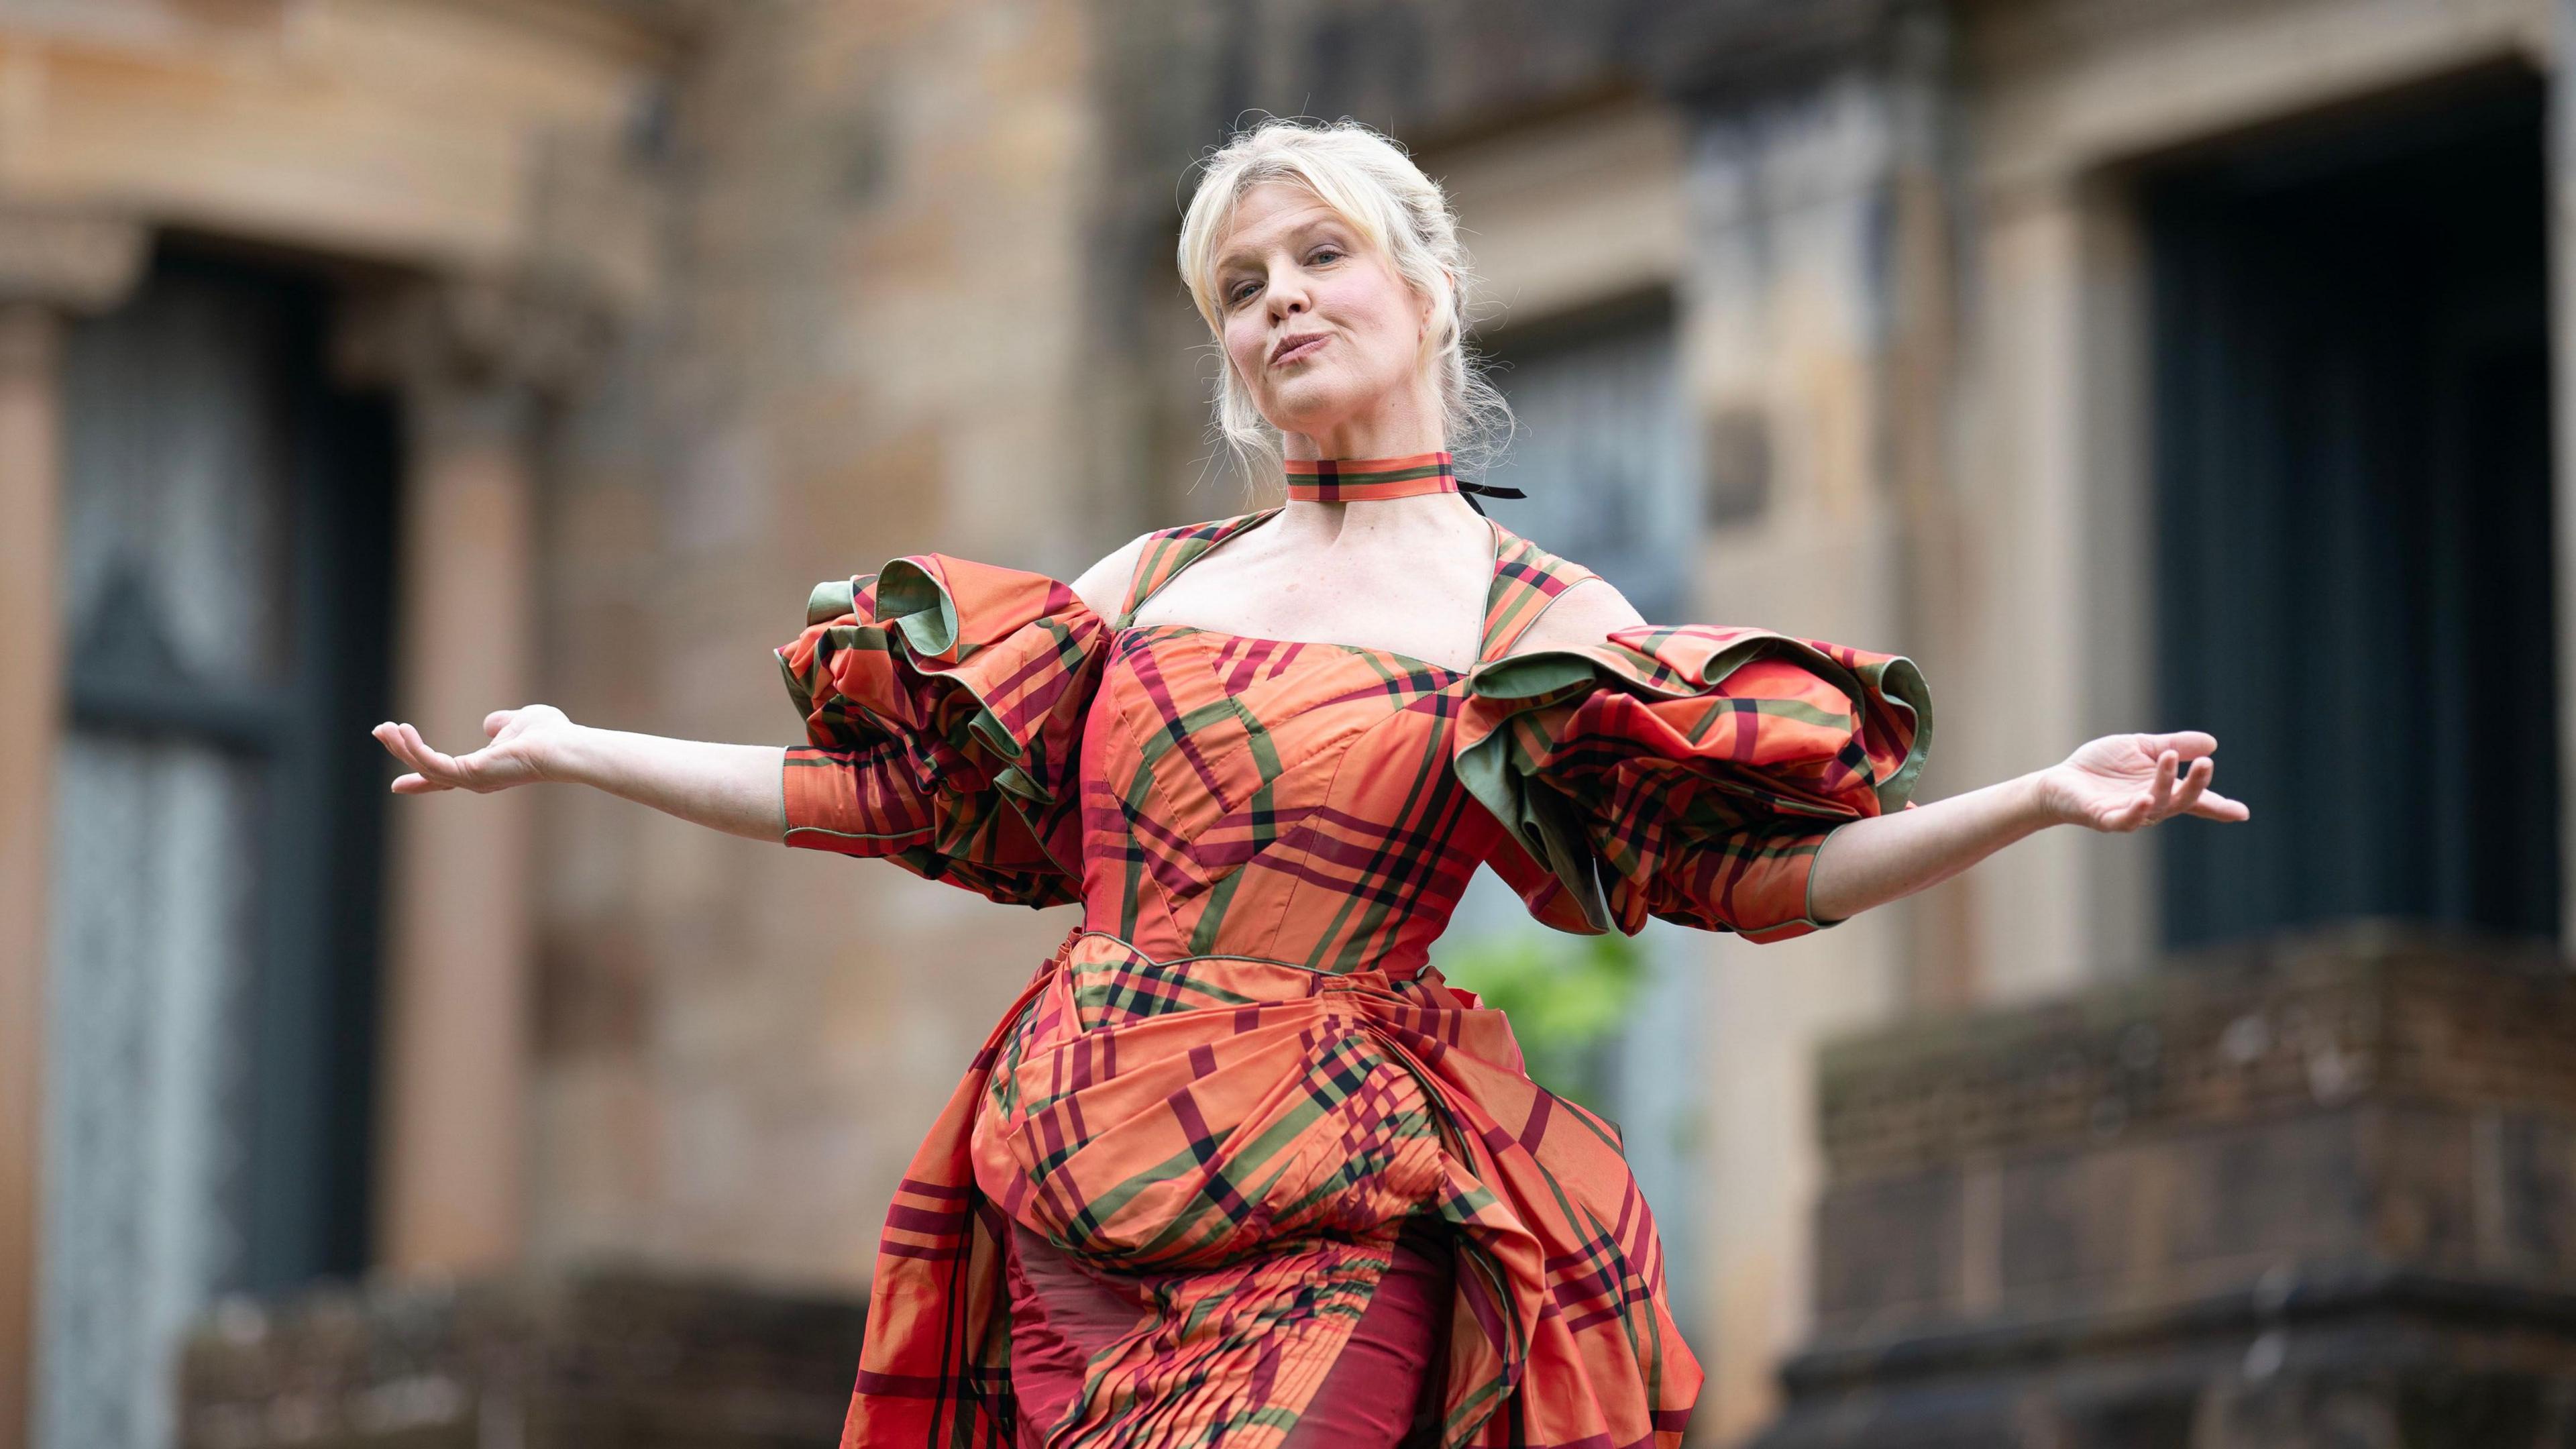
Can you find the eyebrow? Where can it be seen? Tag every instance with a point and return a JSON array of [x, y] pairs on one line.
[[1329, 218]]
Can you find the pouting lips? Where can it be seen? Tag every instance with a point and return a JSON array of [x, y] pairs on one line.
[[1292, 348]]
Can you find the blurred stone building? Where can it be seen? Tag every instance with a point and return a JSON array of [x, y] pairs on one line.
[[2130, 364]]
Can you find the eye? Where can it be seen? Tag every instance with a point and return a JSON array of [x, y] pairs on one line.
[[1240, 291], [1325, 253]]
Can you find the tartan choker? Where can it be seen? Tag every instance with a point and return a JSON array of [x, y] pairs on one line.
[[1372, 480]]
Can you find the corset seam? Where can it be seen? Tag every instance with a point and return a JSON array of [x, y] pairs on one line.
[[1066, 950], [1148, 895]]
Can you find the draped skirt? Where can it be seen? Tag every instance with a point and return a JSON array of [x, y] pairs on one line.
[[1205, 1170]]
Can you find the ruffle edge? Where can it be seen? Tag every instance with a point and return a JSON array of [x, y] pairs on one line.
[[1617, 768], [976, 676]]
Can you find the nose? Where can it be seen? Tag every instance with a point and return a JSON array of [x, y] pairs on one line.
[[1287, 295]]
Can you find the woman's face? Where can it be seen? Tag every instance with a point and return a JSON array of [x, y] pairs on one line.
[[1319, 328]]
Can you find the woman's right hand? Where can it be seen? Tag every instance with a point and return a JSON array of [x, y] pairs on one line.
[[525, 744]]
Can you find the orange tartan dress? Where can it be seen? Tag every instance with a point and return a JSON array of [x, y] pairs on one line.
[[1239, 1075]]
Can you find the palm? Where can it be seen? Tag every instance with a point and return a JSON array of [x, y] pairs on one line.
[[2124, 782], [518, 740]]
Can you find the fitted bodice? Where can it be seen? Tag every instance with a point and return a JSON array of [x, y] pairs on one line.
[[1259, 797], [1325, 805]]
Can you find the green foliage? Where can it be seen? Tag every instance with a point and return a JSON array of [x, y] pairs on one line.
[[1567, 997]]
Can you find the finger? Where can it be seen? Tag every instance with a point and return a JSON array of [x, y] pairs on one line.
[[417, 753], [401, 747], [433, 764], [2214, 806], [2129, 815], [2162, 790], [397, 745], [497, 721], [2187, 743], [2194, 781]]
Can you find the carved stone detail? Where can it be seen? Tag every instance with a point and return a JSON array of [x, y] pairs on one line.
[[81, 261], [477, 333]]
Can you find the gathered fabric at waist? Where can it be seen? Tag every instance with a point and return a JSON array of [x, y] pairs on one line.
[[1110, 982], [1164, 1114]]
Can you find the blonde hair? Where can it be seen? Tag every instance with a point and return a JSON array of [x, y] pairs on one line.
[[1375, 187]]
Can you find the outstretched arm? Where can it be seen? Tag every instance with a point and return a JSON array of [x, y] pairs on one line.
[[2116, 783], [732, 788]]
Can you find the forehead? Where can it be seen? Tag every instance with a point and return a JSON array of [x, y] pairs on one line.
[[1272, 212]]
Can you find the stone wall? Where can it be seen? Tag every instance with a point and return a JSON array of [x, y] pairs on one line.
[[2301, 1190], [602, 1358]]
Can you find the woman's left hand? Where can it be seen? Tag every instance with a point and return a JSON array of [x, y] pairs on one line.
[[2123, 782]]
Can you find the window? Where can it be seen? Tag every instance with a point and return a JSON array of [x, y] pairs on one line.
[[2353, 474]]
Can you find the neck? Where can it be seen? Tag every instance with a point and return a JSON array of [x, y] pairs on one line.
[[1396, 424], [1360, 443]]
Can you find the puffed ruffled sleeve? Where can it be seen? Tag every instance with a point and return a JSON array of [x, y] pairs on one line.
[[943, 705], [1687, 774]]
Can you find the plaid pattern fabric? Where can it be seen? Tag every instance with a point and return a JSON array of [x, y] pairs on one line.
[[1694, 771], [940, 738], [1338, 480], [1239, 1076]]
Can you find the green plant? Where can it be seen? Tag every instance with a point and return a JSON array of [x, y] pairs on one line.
[[1566, 996]]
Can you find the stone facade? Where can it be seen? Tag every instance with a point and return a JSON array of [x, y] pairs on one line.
[[2312, 1192]]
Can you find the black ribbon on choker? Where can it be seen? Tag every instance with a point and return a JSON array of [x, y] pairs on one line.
[[1468, 488]]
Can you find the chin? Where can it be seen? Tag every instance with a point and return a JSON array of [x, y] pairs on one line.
[[1311, 405]]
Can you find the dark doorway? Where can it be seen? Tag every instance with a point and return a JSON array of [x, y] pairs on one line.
[[227, 548], [2352, 460]]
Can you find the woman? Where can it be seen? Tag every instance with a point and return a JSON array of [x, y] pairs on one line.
[[1237, 1166]]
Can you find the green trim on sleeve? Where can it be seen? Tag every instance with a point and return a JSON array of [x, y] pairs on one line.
[[830, 600], [919, 606]]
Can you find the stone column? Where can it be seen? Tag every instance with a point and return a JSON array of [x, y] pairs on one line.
[[49, 264], [470, 364], [2056, 547]]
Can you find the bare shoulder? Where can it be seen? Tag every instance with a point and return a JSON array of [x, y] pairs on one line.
[[1583, 615], [1103, 586]]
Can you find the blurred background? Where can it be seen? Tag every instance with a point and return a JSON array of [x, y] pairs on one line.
[[2132, 364]]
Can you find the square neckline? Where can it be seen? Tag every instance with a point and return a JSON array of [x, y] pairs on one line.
[[1413, 660], [1126, 620]]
